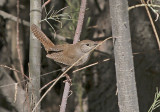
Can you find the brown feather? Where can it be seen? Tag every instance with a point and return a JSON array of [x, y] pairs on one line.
[[47, 43]]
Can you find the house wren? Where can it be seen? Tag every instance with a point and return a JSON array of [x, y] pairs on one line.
[[66, 54]]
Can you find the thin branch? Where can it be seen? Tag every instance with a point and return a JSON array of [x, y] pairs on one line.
[[152, 23], [76, 39], [80, 21], [47, 2], [90, 65], [17, 77], [46, 85], [13, 69], [65, 96], [142, 5], [12, 84], [11, 17], [18, 48]]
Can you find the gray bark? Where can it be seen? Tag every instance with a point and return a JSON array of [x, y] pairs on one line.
[[34, 56], [8, 89], [126, 85]]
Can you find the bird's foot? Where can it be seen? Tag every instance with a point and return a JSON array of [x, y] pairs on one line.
[[68, 79]]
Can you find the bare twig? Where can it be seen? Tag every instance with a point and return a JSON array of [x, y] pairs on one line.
[[13, 69], [18, 49], [152, 23], [46, 85], [47, 2], [150, 6], [90, 65], [65, 97], [5, 66], [142, 5], [16, 76], [76, 39], [12, 84], [80, 21], [11, 17]]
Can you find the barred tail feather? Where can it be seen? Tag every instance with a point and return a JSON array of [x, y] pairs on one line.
[[47, 43]]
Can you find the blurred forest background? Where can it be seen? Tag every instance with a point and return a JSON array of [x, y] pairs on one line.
[[94, 89]]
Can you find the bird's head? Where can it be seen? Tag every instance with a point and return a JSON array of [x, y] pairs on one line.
[[86, 45]]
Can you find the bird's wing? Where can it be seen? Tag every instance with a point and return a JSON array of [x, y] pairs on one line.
[[47, 43], [59, 47], [61, 58]]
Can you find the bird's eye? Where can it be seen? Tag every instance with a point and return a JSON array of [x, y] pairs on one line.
[[87, 44]]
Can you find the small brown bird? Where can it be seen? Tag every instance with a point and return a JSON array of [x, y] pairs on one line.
[[66, 54]]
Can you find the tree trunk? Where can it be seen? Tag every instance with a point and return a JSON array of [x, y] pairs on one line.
[[126, 86], [34, 56]]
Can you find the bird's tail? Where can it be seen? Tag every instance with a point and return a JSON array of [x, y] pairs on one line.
[[47, 43]]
